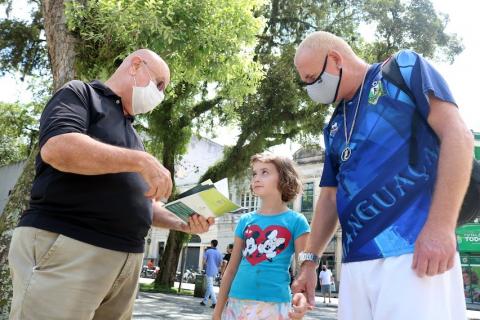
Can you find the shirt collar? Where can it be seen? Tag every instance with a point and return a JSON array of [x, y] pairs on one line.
[[97, 84], [106, 91]]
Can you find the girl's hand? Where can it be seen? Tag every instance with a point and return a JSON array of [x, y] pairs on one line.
[[299, 306]]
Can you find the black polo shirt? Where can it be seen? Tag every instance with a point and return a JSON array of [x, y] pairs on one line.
[[108, 210]]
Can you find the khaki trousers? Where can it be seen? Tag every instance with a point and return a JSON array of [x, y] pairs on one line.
[[57, 277]]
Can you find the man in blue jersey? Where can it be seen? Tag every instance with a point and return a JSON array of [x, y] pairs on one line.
[[398, 215]]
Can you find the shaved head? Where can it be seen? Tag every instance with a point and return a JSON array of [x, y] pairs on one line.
[[325, 52], [148, 56], [138, 69], [154, 62], [320, 43]]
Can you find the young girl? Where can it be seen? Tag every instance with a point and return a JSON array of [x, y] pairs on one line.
[[265, 241]]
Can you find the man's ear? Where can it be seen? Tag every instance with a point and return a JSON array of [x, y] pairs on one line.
[[336, 57], [135, 64]]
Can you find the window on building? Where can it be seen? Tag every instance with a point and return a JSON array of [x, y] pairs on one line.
[[161, 250], [307, 198], [249, 201]]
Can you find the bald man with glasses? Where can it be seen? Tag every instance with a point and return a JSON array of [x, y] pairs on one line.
[[78, 249]]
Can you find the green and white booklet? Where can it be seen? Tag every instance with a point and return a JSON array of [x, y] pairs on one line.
[[207, 199]]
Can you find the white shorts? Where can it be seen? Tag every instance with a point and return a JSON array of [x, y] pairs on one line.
[[389, 289]]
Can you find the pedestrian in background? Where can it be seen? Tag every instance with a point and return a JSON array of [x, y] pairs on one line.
[[326, 279], [226, 258], [212, 260]]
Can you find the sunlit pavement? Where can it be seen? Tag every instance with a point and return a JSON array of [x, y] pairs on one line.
[[171, 306]]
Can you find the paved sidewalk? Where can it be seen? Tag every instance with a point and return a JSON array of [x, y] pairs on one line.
[[171, 306]]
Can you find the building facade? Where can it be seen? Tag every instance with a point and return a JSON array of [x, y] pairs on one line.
[[9, 175], [200, 155], [310, 162]]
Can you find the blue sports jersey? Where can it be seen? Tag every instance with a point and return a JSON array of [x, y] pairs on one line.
[[269, 246], [382, 201]]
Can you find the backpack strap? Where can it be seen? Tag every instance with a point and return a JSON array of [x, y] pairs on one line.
[[391, 72], [471, 204]]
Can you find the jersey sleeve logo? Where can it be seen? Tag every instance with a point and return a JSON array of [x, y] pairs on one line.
[[264, 245]]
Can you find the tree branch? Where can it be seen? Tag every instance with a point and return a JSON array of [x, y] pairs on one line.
[[197, 110]]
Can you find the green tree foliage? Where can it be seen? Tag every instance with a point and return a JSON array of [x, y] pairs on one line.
[[22, 43], [205, 44], [202, 41], [279, 109], [18, 131], [409, 24]]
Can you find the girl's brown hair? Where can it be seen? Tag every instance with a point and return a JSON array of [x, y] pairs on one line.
[[289, 182]]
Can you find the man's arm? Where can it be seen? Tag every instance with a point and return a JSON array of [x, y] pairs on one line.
[[324, 224], [80, 154], [435, 247], [300, 244], [162, 218]]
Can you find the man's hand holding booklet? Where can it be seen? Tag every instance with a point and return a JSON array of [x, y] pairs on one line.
[[207, 199]]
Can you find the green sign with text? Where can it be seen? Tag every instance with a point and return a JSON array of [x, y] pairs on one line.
[[468, 238]]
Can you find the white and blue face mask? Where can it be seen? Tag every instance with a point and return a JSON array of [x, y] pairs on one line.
[[324, 89]]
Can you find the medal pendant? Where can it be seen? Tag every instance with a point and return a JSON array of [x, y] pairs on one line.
[[346, 153]]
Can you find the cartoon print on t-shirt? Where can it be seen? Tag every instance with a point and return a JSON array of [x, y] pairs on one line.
[[250, 247], [270, 245], [261, 245]]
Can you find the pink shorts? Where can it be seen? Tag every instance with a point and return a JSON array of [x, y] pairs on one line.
[[237, 309]]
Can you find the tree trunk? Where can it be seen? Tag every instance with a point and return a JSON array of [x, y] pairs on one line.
[[61, 43], [61, 50], [173, 248], [170, 258]]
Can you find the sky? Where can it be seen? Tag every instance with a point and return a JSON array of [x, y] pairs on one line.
[[462, 75]]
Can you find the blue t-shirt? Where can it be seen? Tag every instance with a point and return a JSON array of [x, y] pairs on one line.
[[382, 201], [213, 259], [269, 246]]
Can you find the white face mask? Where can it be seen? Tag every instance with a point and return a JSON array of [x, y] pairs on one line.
[[145, 99], [325, 88]]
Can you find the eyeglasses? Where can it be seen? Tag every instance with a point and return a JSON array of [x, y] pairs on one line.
[[160, 84]]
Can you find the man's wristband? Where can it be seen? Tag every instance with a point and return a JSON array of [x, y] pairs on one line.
[[308, 256]]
